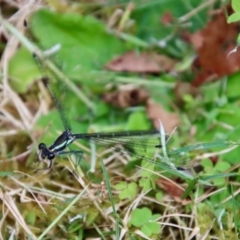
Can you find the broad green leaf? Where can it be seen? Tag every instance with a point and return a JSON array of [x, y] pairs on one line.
[[159, 196], [31, 217], [138, 120], [128, 191], [151, 227], [230, 114], [23, 70], [140, 216], [147, 170], [219, 182], [146, 230], [145, 183], [185, 64], [85, 43], [236, 5], [207, 164], [120, 186], [222, 166], [132, 189], [232, 85], [234, 17]]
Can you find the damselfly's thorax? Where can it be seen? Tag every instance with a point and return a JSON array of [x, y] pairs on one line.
[[62, 141]]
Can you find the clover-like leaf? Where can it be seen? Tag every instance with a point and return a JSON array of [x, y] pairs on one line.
[[128, 190], [151, 228], [140, 216], [146, 220]]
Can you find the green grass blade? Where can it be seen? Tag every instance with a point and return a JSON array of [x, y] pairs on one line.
[[62, 214], [111, 199], [190, 187]]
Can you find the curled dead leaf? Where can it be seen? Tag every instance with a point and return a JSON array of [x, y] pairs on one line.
[[167, 18], [126, 97], [173, 189], [144, 62], [213, 45], [156, 112]]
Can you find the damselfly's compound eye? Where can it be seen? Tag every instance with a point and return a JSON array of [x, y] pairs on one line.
[[41, 146], [51, 156]]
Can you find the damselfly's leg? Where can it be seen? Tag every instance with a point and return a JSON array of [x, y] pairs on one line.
[[78, 155], [49, 165]]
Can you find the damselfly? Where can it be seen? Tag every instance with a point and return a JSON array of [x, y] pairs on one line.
[[137, 143], [134, 142]]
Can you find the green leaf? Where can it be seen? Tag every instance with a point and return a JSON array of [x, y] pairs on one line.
[[140, 216], [230, 114], [149, 169], [219, 182], [222, 166], [232, 89], [127, 190], [159, 196], [101, 109], [145, 183], [132, 190], [146, 230], [153, 227], [207, 163], [234, 17], [31, 217], [120, 186], [138, 120], [236, 5], [155, 217], [238, 40], [85, 44], [185, 64], [23, 70]]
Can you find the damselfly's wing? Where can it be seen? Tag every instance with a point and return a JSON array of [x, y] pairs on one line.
[[46, 59], [144, 145], [58, 99]]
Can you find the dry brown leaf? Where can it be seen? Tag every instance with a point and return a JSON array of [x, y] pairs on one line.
[[167, 18], [183, 88], [213, 45], [144, 62], [126, 98], [156, 112], [173, 189]]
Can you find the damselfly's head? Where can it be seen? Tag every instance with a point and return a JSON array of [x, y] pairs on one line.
[[45, 153]]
